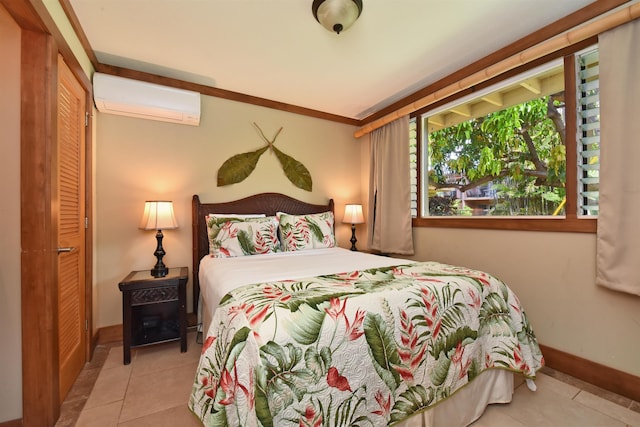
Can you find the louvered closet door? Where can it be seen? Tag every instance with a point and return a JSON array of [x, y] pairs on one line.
[[71, 227]]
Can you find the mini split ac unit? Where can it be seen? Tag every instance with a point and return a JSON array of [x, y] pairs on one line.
[[134, 98]]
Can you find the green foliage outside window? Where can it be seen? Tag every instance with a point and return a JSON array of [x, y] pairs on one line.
[[515, 156]]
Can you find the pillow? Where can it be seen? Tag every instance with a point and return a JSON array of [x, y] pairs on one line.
[[313, 231], [233, 237], [258, 215], [217, 216], [234, 216]]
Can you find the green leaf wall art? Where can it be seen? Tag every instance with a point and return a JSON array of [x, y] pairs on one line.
[[237, 168]]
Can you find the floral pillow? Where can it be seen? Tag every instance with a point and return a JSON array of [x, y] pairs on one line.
[[313, 231], [233, 237], [216, 218]]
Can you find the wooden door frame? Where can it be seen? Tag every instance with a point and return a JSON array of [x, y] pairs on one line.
[[41, 42]]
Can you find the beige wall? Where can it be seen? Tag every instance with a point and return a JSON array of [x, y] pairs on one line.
[[10, 331], [60, 18], [553, 275], [138, 160]]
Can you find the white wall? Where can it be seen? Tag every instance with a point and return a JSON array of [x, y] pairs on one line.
[[553, 275], [10, 293], [138, 160]]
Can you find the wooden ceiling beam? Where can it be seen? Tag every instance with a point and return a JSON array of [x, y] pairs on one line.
[[462, 110], [532, 85], [494, 99]]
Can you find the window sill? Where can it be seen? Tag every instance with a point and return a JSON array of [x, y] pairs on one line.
[[567, 225]]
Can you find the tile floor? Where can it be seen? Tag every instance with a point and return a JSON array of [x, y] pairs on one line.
[[154, 388]]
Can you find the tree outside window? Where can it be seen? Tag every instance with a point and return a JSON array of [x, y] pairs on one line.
[[510, 162], [501, 153]]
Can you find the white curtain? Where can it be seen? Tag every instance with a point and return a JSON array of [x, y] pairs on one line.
[[618, 238], [389, 190]]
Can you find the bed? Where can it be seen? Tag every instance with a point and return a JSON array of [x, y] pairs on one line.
[[323, 336]]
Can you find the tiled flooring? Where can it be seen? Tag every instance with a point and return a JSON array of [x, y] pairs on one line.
[[154, 389]]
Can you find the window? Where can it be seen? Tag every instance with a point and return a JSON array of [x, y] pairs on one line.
[[501, 152]]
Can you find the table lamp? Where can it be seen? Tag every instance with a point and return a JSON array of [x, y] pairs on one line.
[[158, 215], [353, 215]]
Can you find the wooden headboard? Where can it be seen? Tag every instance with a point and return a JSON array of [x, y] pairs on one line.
[[264, 203]]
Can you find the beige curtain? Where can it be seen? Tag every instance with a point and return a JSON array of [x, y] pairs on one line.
[[618, 239], [389, 189]]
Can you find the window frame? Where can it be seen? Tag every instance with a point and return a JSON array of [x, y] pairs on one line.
[[571, 222]]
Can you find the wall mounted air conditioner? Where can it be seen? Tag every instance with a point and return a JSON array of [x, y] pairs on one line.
[[134, 98]]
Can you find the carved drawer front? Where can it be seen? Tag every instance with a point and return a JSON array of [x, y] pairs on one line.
[[145, 296]]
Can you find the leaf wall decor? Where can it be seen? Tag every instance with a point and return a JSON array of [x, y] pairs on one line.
[[237, 168], [297, 173]]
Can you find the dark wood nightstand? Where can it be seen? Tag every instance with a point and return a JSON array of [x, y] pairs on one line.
[[154, 309]]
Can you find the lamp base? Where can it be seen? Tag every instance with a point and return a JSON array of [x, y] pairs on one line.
[[159, 270], [353, 238]]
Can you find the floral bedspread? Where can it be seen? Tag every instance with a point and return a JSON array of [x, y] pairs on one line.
[[364, 348]]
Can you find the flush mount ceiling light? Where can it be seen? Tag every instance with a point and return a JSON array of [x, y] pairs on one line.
[[336, 15]]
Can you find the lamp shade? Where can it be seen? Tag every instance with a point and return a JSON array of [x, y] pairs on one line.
[[158, 215], [336, 15], [353, 214]]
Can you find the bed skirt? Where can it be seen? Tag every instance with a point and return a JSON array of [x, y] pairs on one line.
[[467, 404]]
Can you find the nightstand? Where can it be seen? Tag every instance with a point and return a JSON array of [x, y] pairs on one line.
[[154, 310]]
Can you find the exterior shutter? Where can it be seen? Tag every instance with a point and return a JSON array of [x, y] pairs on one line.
[[588, 132], [413, 166]]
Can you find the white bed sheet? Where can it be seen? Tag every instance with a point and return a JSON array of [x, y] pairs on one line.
[[218, 276]]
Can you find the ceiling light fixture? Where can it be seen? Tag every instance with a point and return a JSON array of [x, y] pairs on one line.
[[336, 15]]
